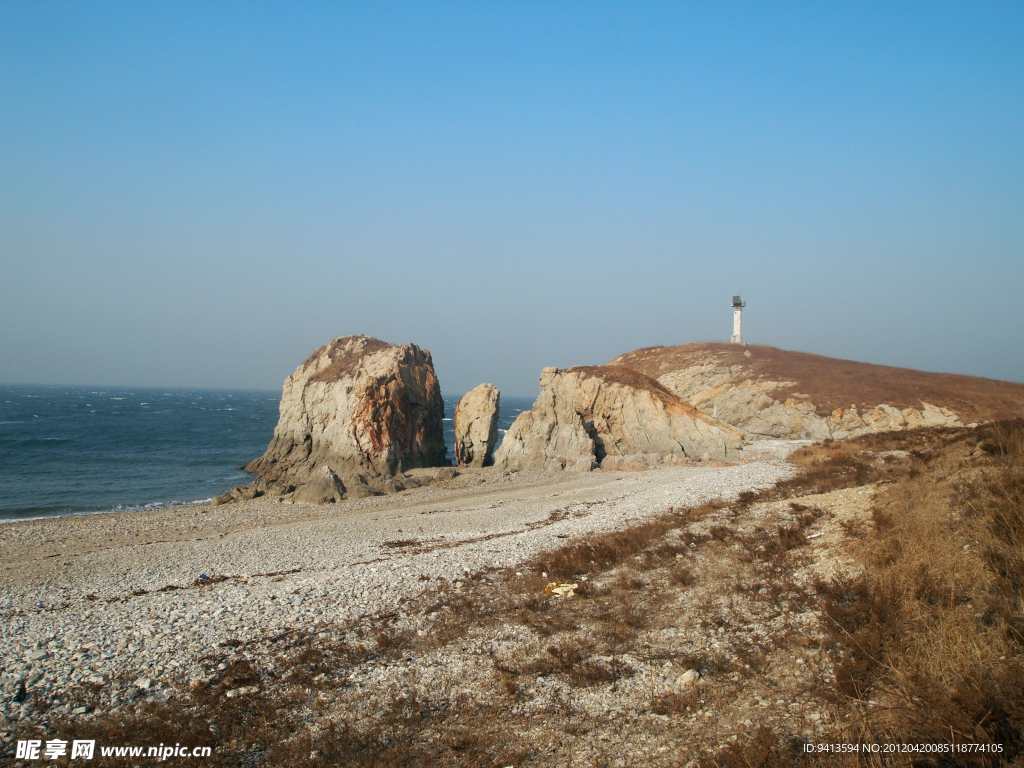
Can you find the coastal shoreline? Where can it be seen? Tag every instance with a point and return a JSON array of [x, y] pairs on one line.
[[123, 510]]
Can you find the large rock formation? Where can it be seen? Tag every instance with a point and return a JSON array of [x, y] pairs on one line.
[[356, 413], [772, 393], [595, 416], [476, 426]]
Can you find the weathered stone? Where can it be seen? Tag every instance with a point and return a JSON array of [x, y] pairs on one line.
[[476, 426], [624, 464], [763, 406], [639, 462], [585, 415], [387, 484], [721, 392], [324, 487], [241, 493], [409, 480], [245, 690], [358, 409], [689, 678], [847, 423], [250, 491]]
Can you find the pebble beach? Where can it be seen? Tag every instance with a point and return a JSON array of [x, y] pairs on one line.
[[131, 603]]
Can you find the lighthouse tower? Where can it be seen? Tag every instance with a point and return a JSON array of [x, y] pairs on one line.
[[737, 319]]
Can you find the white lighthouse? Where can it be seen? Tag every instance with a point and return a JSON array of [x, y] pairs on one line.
[[737, 319]]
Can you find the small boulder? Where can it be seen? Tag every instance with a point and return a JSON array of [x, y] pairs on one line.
[[387, 484], [360, 491], [245, 492], [688, 679], [245, 690], [324, 487], [409, 480]]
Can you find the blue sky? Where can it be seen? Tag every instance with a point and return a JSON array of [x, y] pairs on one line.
[[200, 194]]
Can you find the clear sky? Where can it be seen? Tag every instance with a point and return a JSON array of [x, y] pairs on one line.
[[198, 194]]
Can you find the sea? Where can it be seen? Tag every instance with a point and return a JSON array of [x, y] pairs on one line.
[[81, 450]]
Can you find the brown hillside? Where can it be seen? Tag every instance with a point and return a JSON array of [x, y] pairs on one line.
[[832, 383]]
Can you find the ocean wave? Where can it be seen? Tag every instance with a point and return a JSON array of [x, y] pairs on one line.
[[117, 508]]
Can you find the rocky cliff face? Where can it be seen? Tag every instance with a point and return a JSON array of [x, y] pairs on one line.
[[476, 426], [357, 412], [770, 393], [596, 416], [755, 407]]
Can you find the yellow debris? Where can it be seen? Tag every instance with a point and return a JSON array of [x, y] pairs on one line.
[[561, 589]]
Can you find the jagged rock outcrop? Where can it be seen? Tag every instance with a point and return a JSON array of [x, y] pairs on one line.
[[588, 415], [476, 426], [354, 416]]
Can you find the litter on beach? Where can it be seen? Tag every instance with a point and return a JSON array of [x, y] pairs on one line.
[[561, 589]]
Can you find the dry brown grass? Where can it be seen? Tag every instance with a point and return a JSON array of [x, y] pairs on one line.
[[272, 726], [763, 749], [929, 638], [402, 543], [928, 641], [601, 552]]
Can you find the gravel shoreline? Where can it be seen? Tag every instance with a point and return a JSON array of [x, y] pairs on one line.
[[116, 601]]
